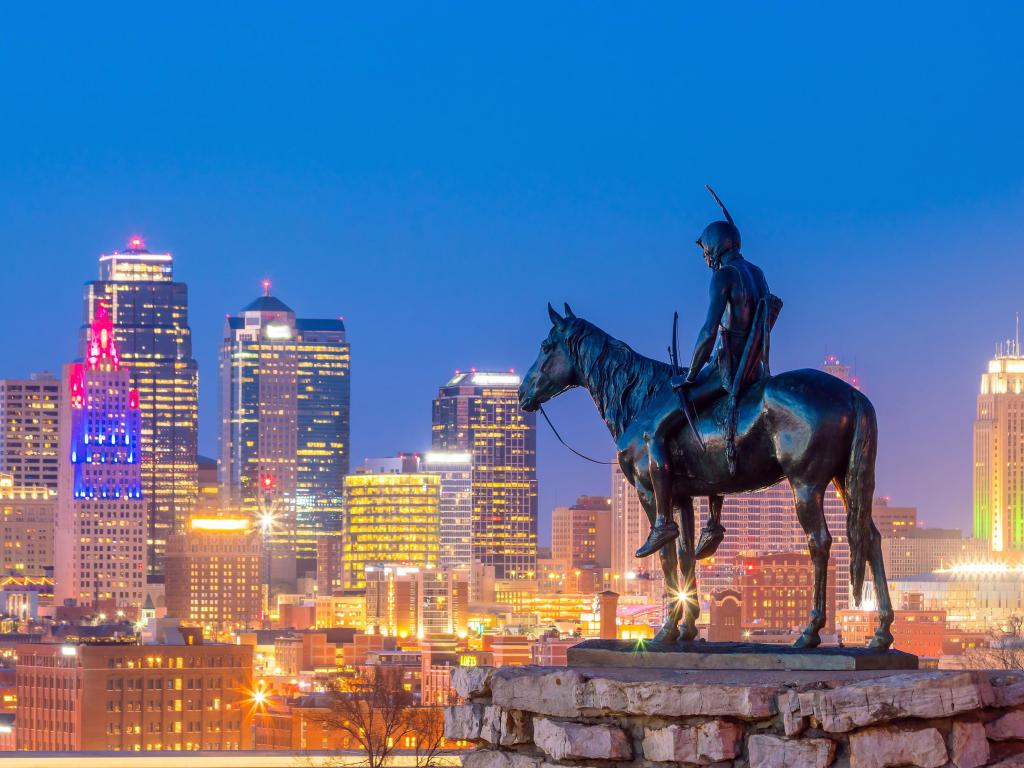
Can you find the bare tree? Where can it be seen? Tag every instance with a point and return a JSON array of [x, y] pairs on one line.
[[1005, 647], [378, 717]]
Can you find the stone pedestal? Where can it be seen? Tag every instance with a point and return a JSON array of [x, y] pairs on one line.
[[759, 656], [543, 717]]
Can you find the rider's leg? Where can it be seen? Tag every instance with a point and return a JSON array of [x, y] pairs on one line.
[[665, 528]]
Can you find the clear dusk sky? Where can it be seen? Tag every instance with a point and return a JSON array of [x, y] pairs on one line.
[[436, 172]]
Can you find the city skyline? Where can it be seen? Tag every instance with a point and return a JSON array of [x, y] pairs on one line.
[[530, 174]]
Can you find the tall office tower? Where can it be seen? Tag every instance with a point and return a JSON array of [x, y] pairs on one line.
[[833, 366], [150, 315], [455, 469], [479, 412], [764, 523], [629, 528], [391, 519], [27, 516], [923, 550], [28, 415], [100, 545], [210, 499], [284, 412], [214, 574], [581, 534], [999, 452], [443, 605]]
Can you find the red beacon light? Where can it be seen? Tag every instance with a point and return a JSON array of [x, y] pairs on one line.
[[267, 482]]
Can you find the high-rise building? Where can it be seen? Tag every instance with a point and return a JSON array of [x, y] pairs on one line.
[[149, 310], [479, 413], [27, 517], [214, 573], [581, 534], [285, 425], [455, 470], [28, 417], [100, 544], [999, 452], [443, 606], [629, 528], [117, 697], [210, 499], [391, 519]]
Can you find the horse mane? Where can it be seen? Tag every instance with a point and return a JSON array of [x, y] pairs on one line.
[[621, 380]]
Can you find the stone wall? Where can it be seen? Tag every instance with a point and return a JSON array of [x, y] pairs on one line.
[[544, 717]]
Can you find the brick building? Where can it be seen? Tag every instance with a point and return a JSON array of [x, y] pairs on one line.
[[128, 697], [777, 592]]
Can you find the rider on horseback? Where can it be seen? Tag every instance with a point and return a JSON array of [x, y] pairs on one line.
[[740, 316]]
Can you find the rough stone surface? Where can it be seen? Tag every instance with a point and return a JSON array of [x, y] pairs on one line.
[[702, 744], [766, 751], [487, 723], [884, 747], [575, 741], [794, 722], [472, 682], [1014, 761], [572, 693], [917, 694], [968, 746], [1009, 726]]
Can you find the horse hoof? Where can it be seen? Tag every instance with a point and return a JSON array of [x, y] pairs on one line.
[[881, 642], [666, 635], [808, 640], [688, 633]]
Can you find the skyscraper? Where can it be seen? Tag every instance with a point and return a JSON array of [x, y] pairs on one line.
[[455, 470], [479, 412], [28, 444], [999, 452], [284, 411], [391, 519], [629, 528], [581, 534], [100, 544], [149, 311]]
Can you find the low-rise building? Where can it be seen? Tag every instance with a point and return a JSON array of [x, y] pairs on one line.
[[132, 697]]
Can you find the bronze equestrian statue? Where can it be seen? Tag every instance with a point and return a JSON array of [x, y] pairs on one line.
[[749, 429]]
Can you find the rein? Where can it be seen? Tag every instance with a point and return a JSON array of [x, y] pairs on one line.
[[581, 455]]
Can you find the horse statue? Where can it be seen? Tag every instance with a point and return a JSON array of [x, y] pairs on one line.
[[805, 426]]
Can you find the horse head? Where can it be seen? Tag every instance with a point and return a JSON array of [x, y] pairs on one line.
[[554, 370]]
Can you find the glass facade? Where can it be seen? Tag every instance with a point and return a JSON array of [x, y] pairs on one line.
[[150, 316], [455, 470], [479, 413], [285, 427], [28, 416], [391, 519]]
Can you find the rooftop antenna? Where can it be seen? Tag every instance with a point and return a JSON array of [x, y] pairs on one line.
[[1016, 342]]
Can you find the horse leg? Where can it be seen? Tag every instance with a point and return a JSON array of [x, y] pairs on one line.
[[883, 636], [663, 527], [687, 597], [669, 631], [811, 513]]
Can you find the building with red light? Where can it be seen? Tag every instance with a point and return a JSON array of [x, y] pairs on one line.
[[149, 310], [284, 413], [100, 543], [133, 697], [777, 592]]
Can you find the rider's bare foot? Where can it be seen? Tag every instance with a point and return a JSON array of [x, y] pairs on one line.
[[662, 532]]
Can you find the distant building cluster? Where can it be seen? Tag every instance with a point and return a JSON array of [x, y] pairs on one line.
[[154, 599]]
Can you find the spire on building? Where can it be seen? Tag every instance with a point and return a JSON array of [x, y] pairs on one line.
[[102, 347]]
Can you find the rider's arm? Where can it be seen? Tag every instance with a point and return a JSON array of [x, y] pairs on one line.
[[708, 334]]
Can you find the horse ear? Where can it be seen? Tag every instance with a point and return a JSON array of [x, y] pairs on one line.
[[556, 319], [569, 314]]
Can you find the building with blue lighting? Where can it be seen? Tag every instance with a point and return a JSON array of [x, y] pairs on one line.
[[100, 543]]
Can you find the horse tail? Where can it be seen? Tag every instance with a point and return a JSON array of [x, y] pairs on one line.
[[858, 489]]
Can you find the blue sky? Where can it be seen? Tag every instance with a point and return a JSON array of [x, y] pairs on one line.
[[436, 173]]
